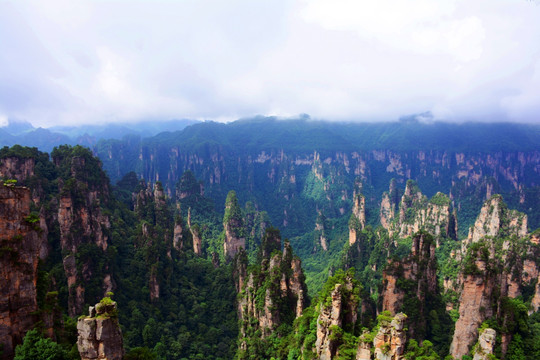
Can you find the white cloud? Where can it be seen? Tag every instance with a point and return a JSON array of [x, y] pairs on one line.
[[65, 62]]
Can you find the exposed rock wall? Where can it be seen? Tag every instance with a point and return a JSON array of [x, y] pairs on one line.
[[285, 294], [475, 306], [486, 344], [81, 221], [100, 336], [18, 168], [233, 226], [416, 213], [499, 258], [389, 343], [22, 243], [494, 218], [340, 312], [419, 268], [358, 217]]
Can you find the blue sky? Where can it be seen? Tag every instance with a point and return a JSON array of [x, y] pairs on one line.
[[66, 62]]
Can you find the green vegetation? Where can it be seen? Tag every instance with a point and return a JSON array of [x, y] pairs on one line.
[[35, 346], [174, 304]]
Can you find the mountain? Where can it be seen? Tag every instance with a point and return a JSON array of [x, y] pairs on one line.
[[270, 239], [24, 133]]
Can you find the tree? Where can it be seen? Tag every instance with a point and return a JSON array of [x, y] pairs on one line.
[[36, 347]]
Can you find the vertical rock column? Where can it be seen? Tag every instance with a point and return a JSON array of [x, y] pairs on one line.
[[22, 242], [100, 336]]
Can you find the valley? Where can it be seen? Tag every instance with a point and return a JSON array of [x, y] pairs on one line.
[[265, 238]]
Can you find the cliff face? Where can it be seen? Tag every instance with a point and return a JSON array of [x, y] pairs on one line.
[[416, 275], [335, 313], [100, 336], [358, 217], [301, 174], [496, 218], [416, 212], [273, 294], [233, 226], [498, 258], [389, 343], [486, 345], [18, 168], [157, 231], [82, 222], [22, 243]]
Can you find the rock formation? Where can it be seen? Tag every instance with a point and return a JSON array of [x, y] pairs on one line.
[[418, 272], [389, 343], [357, 221], [18, 168], [495, 218], [233, 225], [389, 204], [417, 213], [364, 347], [274, 294], [157, 230], [23, 241], [100, 336], [486, 344], [82, 222], [320, 231], [498, 258], [338, 312]]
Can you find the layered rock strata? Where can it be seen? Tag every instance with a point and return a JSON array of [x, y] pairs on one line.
[[23, 241]]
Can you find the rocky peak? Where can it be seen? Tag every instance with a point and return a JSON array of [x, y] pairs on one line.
[[497, 265], [100, 336], [416, 274], [357, 222], [389, 343], [337, 310], [233, 225], [496, 219], [416, 213], [280, 281], [320, 230], [18, 168], [389, 205], [486, 345], [81, 221], [23, 241]]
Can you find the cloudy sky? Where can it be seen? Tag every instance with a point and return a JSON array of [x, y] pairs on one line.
[[65, 62]]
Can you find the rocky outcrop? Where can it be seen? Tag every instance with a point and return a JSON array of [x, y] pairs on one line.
[[178, 235], [486, 345], [280, 282], [23, 241], [418, 272], [320, 232], [335, 313], [389, 205], [416, 213], [364, 347], [100, 336], [233, 226], [357, 221], [389, 343], [496, 218], [475, 305], [498, 259], [157, 231], [18, 168], [82, 222]]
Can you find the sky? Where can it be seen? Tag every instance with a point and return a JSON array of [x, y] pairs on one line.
[[92, 62]]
